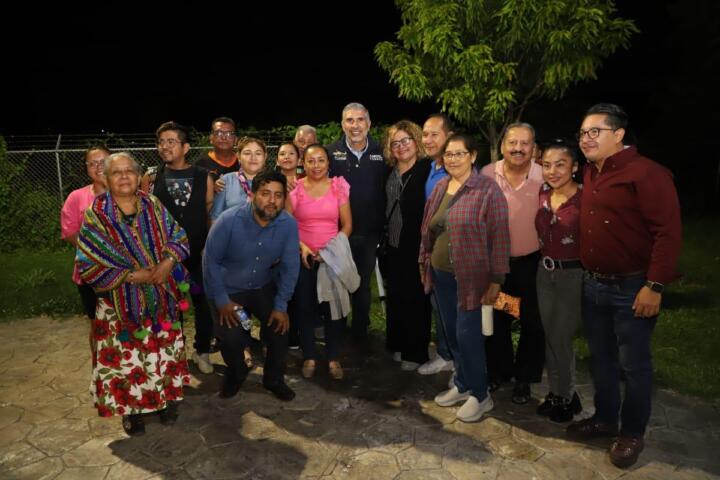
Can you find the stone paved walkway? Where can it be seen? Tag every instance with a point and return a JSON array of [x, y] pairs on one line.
[[378, 423]]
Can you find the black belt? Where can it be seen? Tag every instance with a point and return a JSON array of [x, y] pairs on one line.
[[549, 264], [614, 277]]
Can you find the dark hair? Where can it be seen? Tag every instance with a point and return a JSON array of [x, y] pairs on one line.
[[297, 150], [96, 146], [316, 145], [467, 140], [615, 115], [563, 144], [268, 176], [223, 120], [182, 131], [448, 124]]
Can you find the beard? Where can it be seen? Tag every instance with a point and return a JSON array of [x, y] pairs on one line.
[[265, 215]]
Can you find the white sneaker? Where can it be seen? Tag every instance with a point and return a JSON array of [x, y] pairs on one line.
[[448, 398], [436, 365], [451, 382], [202, 360], [472, 410], [408, 366], [397, 357]]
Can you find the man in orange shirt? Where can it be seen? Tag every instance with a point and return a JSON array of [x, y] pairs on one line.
[[222, 159]]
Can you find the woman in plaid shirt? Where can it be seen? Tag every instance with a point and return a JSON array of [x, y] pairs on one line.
[[464, 256]]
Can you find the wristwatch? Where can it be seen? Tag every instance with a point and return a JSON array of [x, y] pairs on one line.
[[655, 286]]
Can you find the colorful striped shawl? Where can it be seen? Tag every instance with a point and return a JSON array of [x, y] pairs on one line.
[[109, 249]]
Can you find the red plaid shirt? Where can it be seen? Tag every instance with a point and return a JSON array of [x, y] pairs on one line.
[[477, 223]]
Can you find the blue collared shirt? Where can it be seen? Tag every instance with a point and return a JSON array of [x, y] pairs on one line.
[[240, 255], [435, 175], [358, 153]]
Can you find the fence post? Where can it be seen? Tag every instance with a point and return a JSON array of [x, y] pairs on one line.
[[57, 163]]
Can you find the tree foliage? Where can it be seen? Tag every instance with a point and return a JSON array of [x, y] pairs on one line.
[[483, 61]]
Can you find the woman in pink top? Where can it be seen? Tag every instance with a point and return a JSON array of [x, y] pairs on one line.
[[319, 204], [71, 217]]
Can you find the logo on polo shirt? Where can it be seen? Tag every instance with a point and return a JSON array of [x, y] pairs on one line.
[[339, 155], [376, 158]]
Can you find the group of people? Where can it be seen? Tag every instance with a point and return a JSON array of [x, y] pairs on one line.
[[296, 248]]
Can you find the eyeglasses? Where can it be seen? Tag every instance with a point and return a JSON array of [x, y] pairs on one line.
[[454, 155], [95, 164], [169, 142], [592, 133], [223, 133], [404, 142]]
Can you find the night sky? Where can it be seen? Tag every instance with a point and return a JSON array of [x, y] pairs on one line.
[[127, 69]]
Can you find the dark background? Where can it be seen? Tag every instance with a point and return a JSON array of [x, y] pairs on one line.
[[126, 69]]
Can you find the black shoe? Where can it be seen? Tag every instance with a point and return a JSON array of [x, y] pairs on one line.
[[546, 407], [564, 410], [590, 428], [133, 425], [169, 415], [521, 393], [281, 391], [229, 387]]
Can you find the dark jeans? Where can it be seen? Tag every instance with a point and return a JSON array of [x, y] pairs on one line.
[[364, 251], [408, 308], [234, 340], [203, 319], [89, 300], [465, 338], [527, 365], [441, 342], [619, 340], [309, 312]]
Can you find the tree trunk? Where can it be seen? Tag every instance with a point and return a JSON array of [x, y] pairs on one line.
[[494, 146]]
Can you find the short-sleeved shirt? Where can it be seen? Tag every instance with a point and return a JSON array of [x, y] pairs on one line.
[[559, 231], [71, 216], [318, 218], [179, 185], [522, 205]]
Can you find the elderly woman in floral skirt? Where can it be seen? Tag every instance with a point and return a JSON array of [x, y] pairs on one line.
[[130, 251]]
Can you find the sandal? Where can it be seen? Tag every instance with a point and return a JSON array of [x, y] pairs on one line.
[[308, 368], [521, 393], [133, 425], [336, 371], [248, 358]]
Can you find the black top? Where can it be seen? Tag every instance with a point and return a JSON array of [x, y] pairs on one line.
[[216, 170], [366, 177], [412, 206]]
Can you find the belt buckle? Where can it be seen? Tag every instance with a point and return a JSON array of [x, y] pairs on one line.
[[548, 263]]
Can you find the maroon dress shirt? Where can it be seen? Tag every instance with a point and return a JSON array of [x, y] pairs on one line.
[[630, 218]]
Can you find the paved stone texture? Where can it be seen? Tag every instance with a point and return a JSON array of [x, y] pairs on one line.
[[378, 423]]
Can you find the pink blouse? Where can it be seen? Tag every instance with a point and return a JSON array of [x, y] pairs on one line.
[[318, 218], [72, 214]]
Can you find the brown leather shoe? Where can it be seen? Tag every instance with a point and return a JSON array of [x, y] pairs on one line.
[[590, 428], [624, 451]]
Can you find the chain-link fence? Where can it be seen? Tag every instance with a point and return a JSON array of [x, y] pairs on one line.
[[44, 175]]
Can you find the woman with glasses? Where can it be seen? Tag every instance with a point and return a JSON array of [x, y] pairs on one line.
[[560, 276], [464, 256], [252, 153], [408, 307], [71, 217], [130, 250]]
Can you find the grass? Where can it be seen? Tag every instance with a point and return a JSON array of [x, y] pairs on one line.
[[685, 343]]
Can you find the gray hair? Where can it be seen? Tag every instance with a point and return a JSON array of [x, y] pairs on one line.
[[305, 129], [524, 125], [108, 160], [355, 106]]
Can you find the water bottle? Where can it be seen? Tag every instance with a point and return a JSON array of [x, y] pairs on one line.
[[245, 321]]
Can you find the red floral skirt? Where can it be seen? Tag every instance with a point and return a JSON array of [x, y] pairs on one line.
[[135, 376]]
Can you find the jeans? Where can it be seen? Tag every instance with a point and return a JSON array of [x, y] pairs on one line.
[[309, 313], [465, 338], [441, 342], [619, 340], [234, 340], [364, 251]]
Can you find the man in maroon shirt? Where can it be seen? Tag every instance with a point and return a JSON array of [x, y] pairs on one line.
[[630, 237]]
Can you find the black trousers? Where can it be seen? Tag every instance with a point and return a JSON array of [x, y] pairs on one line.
[[233, 341], [203, 319], [89, 300], [527, 364], [409, 313]]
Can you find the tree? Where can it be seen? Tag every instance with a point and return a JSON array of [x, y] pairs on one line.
[[485, 61]]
